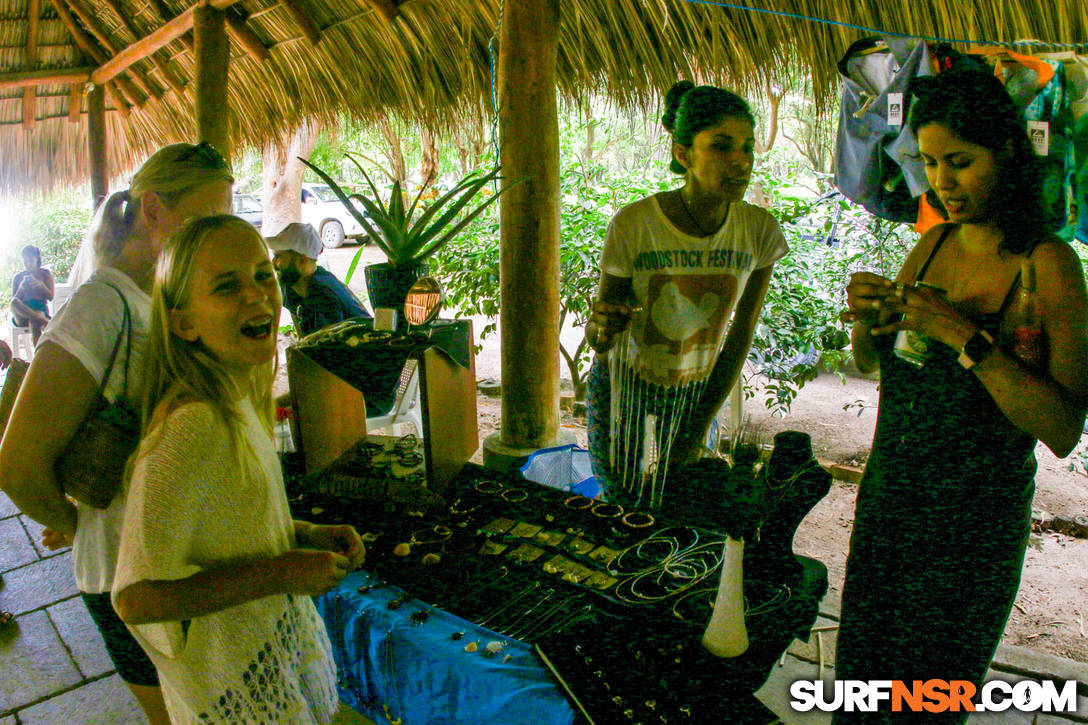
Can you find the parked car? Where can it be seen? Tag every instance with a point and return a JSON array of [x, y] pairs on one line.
[[322, 210], [249, 208]]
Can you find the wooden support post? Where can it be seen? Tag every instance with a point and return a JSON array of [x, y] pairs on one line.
[[96, 144], [212, 74], [30, 93], [75, 102], [529, 229], [30, 108]]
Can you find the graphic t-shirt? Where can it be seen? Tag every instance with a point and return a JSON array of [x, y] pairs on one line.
[[686, 286]]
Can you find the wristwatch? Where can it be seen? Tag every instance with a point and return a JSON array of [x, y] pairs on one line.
[[976, 349]]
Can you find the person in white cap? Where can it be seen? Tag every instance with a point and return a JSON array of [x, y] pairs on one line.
[[313, 295]]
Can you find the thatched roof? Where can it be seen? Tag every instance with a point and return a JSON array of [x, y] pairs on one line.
[[430, 63]]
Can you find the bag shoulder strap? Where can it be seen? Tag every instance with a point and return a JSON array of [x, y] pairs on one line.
[[125, 331]]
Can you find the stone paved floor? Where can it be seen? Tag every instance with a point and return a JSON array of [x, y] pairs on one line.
[[54, 669]]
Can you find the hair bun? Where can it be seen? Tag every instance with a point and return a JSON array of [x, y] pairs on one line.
[[672, 103]]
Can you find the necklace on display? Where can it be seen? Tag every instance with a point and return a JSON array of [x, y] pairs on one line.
[[683, 202]]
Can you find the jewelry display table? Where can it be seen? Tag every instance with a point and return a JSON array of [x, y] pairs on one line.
[[443, 625]]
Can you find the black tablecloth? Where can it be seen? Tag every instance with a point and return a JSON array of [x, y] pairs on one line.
[[604, 642]]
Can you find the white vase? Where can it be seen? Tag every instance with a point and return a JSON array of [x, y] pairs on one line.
[[726, 635]]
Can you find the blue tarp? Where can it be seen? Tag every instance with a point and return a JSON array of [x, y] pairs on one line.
[[425, 676]]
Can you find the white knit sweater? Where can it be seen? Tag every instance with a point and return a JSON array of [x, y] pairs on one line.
[[190, 508]]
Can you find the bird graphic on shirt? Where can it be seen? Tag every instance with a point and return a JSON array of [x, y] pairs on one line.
[[676, 317]]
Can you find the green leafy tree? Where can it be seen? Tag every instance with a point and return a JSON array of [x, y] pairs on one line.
[[590, 194]]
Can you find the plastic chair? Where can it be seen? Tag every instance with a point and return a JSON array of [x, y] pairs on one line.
[[20, 336], [406, 406]]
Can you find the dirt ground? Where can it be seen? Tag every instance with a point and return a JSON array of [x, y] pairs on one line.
[[1051, 609]]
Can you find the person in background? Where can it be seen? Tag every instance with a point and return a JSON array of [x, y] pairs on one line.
[[32, 291], [943, 510], [312, 294], [60, 388], [213, 576], [676, 268]]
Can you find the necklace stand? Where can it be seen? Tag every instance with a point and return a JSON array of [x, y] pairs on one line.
[[794, 483]]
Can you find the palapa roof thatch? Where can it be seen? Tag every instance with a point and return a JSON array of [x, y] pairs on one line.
[[327, 57]]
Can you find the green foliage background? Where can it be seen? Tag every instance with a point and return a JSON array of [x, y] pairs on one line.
[[56, 225]]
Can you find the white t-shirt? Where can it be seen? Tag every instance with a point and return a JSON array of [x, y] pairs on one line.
[[687, 286], [87, 328], [191, 507]]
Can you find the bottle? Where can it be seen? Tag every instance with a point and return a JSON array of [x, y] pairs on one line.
[[1028, 340]]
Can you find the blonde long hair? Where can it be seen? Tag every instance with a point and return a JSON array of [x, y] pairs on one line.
[[170, 172], [178, 370]]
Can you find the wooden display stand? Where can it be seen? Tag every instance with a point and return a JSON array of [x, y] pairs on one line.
[[330, 414]]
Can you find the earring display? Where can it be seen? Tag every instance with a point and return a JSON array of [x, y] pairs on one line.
[[616, 596]]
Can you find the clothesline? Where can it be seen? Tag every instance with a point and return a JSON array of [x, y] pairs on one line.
[[878, 31]]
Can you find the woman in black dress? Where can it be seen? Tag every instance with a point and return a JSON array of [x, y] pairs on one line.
[[943, 511]]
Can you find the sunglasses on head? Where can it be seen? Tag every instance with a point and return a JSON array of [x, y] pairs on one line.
[[205, 153]]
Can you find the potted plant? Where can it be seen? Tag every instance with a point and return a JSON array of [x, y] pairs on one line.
[[407, 239]]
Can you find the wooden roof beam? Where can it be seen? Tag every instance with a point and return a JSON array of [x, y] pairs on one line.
[[87, 17], [388, 9], [165, 15], [165, 71], [29, 79], [118, 99], [245, 37], [86, 44], [166, 33], [303, 20]]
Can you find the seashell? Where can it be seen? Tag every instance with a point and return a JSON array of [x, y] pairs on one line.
[[507, 658], [471, 647], [402, 549], [493, 648]]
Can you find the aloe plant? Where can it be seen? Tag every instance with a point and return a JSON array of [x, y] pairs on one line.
[[407, 240]]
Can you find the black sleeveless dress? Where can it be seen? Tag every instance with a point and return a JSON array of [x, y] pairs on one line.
[[942, 521]]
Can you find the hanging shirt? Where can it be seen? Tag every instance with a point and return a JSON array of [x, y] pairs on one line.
[[1049, 123], [687, 286], [876, 157]]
